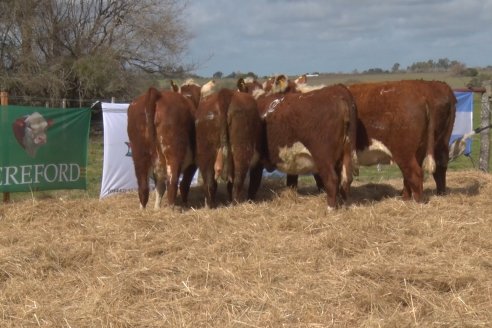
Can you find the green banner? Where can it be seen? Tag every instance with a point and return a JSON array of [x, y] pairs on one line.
[[43, 148]]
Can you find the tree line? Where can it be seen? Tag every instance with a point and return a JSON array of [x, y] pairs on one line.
[[88, 49], [441, 65]]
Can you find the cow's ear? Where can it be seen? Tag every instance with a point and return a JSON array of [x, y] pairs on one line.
[[50, 122], [281, 83], [174, 86], [301, 79], [18, 127], [241, 86]]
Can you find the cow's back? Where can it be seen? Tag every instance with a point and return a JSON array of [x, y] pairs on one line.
[[312, 132], [442, 102], [244, 124], [391, 114], [304, 117], [173, 113]]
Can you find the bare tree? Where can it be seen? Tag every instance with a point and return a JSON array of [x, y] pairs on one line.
[[88, 48]]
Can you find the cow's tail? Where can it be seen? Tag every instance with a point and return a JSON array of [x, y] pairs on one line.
[[350, 163], [151, 99], [429, 162], [353, 137], [223, 163]]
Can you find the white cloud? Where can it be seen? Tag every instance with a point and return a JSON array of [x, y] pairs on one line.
[[295, 36]]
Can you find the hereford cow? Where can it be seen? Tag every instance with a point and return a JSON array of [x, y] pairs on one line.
[[314, 132], [194, 91], [30, 132], [162, 136], [248, 85], [228, 129], [408, 123], [279, 84]]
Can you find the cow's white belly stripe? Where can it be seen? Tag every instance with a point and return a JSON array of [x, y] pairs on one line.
[[296, 160], [376, 153]]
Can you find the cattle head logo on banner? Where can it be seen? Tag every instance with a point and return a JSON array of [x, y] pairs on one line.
[[30, 132]]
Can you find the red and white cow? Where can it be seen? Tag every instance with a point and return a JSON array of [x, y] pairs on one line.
[[409, 123], [162, 134], [312, 132], [194, 91], [228, 130], [248, 85], [30, 132]]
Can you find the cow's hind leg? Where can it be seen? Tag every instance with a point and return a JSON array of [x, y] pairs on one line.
[[209, 188], [331, 183], [172, 183], [142, 166], [440, 179], [239, 177], [255, 175], [343, 187], [230, 187], [292, 181], [184, 186], [160, 186], [413, 179], [319, 182], [442, 159]]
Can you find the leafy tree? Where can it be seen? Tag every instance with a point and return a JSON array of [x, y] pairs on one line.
[[252, 74], [88, 48], [478, 80], [376, 70], [395, 68], [218, 75], [457, 68], [470, 72]]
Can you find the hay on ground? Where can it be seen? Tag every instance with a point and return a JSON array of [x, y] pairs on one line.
[[283, 261]]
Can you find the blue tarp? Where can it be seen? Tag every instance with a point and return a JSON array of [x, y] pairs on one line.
[[464, 118]]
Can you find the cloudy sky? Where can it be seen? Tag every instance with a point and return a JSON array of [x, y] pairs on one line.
[[298, 36]]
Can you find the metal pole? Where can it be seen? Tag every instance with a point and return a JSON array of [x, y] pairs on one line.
[[485, 121], [4, 101]]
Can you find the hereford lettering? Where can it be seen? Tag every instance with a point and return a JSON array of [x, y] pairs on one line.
[[39, 173]]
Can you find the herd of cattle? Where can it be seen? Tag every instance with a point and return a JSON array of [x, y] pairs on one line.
[[327, 131]]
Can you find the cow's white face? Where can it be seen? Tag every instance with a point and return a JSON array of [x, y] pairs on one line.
[[36, 126], [35, 133]]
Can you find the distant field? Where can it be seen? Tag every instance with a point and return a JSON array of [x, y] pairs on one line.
[[453, 81], [331, 78]]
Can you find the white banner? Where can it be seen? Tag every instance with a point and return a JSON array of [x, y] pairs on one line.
[[118, 171]]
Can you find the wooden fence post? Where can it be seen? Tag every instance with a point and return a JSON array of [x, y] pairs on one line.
[[4, 101], [485, 121]]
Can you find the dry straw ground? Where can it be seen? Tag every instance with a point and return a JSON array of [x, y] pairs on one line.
[[280, 262]]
